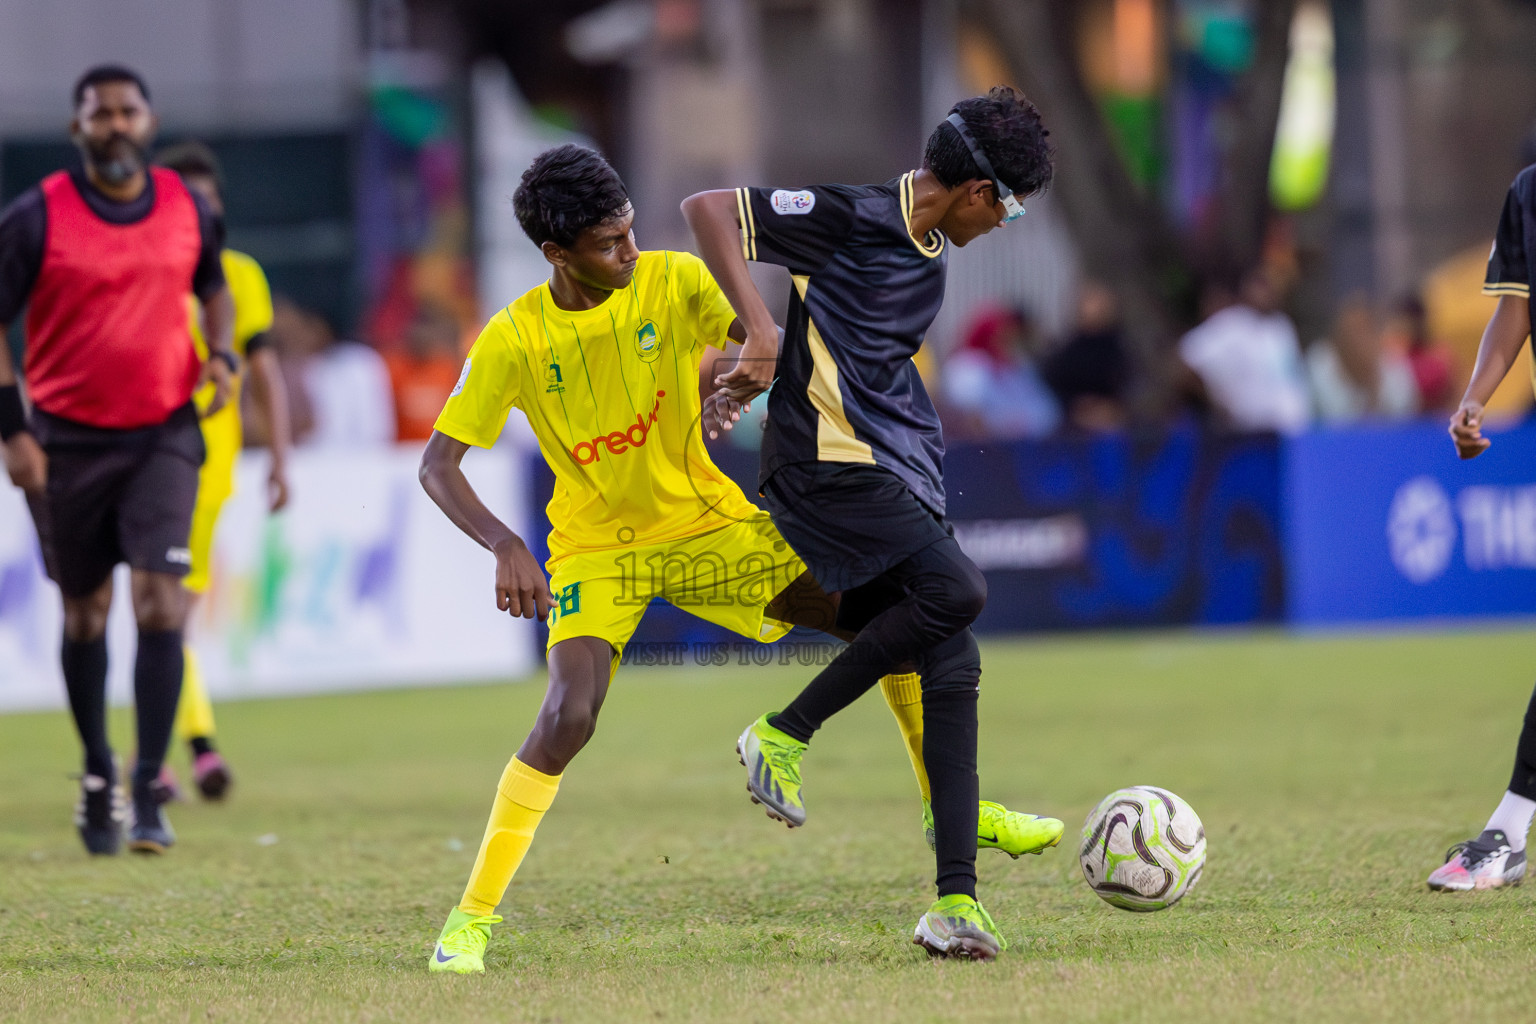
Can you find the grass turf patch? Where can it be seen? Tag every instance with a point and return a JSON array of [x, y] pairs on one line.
[[1331, 772]]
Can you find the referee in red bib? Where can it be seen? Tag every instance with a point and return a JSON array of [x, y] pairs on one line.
[[103, 261]]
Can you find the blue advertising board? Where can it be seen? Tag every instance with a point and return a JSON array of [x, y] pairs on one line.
[[1076, 533], [1386, 523], [1122, 530]]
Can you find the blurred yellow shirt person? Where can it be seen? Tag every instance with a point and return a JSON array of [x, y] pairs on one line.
[[223, 438]]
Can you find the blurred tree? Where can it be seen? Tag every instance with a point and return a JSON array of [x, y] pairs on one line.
[[1124, 231]]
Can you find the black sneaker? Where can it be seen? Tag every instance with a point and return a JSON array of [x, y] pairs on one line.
[[99, 815], [1486, 862], [150, 832]]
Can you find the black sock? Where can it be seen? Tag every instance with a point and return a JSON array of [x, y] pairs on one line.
[[156, 689], [201, 745], [1522, 782], [85, 680], [949, 753]]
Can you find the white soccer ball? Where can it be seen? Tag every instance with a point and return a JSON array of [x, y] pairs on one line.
[[1143, 848]]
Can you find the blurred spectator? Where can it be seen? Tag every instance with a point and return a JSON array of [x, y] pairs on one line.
[[1090, 373], [1354, 376], [425, 372], [1434, 368], [989, 384], [1247, 357], [339, 388]]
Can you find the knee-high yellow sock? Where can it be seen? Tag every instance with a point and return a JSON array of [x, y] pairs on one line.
[[904, 695], [194, 712], [522, 797]]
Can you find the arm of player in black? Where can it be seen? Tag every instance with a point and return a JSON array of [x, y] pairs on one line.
[[713, 218], [23, 227], [520, 584], [270, 394], [1502, 340], [720, 411]]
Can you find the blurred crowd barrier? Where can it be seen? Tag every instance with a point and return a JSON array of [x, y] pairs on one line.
[[360, 583]]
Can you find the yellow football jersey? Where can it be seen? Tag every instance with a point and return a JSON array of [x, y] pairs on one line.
[[613, 395], [253, 314]]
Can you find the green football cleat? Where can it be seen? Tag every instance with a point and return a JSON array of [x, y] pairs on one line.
[[1013, 832], [772, 759], [460, 948], [958, 926]]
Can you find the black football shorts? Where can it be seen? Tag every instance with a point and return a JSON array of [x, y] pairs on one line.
[[116, 496], [849, 522]]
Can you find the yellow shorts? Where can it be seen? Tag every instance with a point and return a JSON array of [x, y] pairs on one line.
[[727, 576], [215, 483]]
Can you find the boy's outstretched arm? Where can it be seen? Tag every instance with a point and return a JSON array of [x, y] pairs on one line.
[[712, 217], [520, 584], [1502, 338]]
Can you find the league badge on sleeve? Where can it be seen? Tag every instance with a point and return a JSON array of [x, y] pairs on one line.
[[785, 201], [463, 377]]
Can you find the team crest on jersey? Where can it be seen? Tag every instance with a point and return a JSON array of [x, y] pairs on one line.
[[463, 377], [554, 383], [785, 201], [647, 343]]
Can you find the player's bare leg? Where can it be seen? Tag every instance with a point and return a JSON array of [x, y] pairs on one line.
[[579, 672]]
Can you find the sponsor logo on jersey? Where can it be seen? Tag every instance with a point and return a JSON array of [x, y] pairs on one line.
[[619, 441], [556, 383], [785, 201], [179, 556], [463, 377], [647, 343]]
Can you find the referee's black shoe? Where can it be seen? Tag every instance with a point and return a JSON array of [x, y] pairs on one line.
[[99, 815], [150, 832]]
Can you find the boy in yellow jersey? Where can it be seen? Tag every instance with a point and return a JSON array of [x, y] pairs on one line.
[[222, 436], [603, 359]]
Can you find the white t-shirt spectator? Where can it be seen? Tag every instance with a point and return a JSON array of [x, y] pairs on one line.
[[349, 391], [1250, 363], [1340, 399]]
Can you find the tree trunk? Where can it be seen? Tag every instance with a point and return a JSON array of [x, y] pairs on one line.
[[1123, 232]]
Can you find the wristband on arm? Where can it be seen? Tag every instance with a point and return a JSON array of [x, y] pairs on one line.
[[228, 358], [13, 415]]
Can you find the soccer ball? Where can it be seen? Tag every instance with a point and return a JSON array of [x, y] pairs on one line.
[[1143, 848]]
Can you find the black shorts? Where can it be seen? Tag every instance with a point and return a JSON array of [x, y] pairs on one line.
[[116, 496], [849, 522]]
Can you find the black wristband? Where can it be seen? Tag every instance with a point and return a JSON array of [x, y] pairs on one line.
[[13, 415], [228, 358]]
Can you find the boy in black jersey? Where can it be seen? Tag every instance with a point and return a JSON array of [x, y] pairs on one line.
[[1497, 856], [852, 453]]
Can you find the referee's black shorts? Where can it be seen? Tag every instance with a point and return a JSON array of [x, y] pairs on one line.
[[116, 496], [848, 522]]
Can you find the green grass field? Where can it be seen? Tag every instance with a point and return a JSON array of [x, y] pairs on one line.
[[1331, 773]]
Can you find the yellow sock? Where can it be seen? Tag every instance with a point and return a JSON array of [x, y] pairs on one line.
[[904, 694], [522, 797], [194, 713]]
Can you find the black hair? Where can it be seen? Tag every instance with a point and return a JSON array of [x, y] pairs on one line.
[[101, 74], [566, 190], [191, 159], [1008, 129]]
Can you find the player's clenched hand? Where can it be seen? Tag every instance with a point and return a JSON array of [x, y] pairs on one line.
[[217, 371], [26, 463], [721, 413], [1467, 430], [520, 584]]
